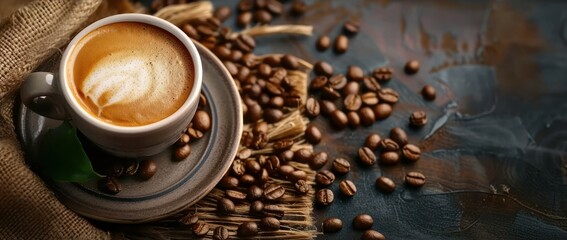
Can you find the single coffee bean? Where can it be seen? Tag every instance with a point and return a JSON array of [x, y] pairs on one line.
[[188, 220], [228, 182], [147, 169], [293, 101], [313, 134], [222, 13], [428, 92], [254, 193], [283, 144], [331, 225], [276, 102], [273, 60], [110, 185], [415, 179], [418, 119], [351, 27], [286, 156], [382, 111], [341, 44], [312, 107], [389, 158], [351, 88], [319, 82], [324, 197], [302, 187], [389, 145], [411, 152], [341, 166], [348, 188], [271, 210], [131, 167], [184, 139], [318, 161], [385, 184], [370, 84], [260, 140], [247, 180], [183, 152], [366, 156], [372, 141], [231, 67], [235, 195], [262, 16], [247, 229], [256, 208], [260, 4], [323, 68], [289, 61], [286, 170], [238, 167], [411, 67], [369, 98], [272, 115], [338, 81], [255, 112], [372, 235], [353, 119], [297, 175], [263, 177], [222, 52], [388, 95], [245, 5], [382, 74], [367, 116], [355, 73], [298, 8], [362, 222], [399, 136], [303, 155], [245, 42], [200, 229], [328, 107], [330, 93], [191, 31], [269, 224], [225, 206], [204, 30], [272, 164], [324, 178], [201, 121], [273, 192], [339, 119], [252, 166], [352, 102], [274, 7], [220, 233], [236, 56], [323, 43]]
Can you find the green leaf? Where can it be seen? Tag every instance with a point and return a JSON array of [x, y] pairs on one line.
[[62, 156]]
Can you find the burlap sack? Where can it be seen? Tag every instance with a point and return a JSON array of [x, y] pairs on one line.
[[28, 210]]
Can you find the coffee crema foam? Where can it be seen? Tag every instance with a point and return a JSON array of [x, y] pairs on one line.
[[130, 74]]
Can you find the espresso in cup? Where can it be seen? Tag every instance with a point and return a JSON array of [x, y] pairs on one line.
[[130, 73]]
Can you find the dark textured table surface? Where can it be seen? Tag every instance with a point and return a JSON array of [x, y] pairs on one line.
[[495, 148]]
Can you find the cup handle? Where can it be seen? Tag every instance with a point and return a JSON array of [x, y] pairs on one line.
[[39, 92]]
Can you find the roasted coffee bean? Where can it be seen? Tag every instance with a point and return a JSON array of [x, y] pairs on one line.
[[272, 115], [245, 42], [353, 119], [331, 225], [330, 93], [286, 156], [191, 31], [282, 144], [341, 166], [252, 91], [206, 31], [348, 188], [328, 107], [247, 180], [298, 8], [147, 169], [235, 195], [269, 224], [351, 88], [428, 92], [243, 72], [238, 167], [388, 95], [389, 158], [324, 197], [293, 101], [110, 185], [222, 52], [367, 116], [200, 229], [318, 161], [313, 134], [260, 127], [273, 192], [263, 177], [387, 144], [225, 206], [382, 74], [369, 98], [319, 82], [256, 208], [245, 5], [382, 111], [303, 155], [341, 44], [183, 152], [372, 141], [366, 156], [247, 138], [286, 170], [271, 210], [297, 175], [289, 62], [237, 56], [323, 43], [184, 139], [411, 152], [202, 121], [220, 233], [188, 220], [222, 13], [273, 60], [372, 235], [254, 112], [385, 184], [338, 81], [302, 187], [247, 229], [264, 71], [276, 102], [228, 182], [131, 167], [248, 60], [324, 178], [418, 119], [272, 164], [399, 136], [254, 193], [415, 179], [274, 7], [262, 16], [362, 222], [312, 107], [355, 73], [280, 73], [231, 67], [351, 27], [323, 68], [370, 84], [339, 119], [411, 67], [260, 4], [352, 102]]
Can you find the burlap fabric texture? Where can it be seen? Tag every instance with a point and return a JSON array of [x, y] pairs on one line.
[[28, 210]]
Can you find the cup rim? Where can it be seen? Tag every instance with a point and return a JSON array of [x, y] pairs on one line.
[[189, 103]]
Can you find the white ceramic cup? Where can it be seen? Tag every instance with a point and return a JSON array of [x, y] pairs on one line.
[[50, 95]]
